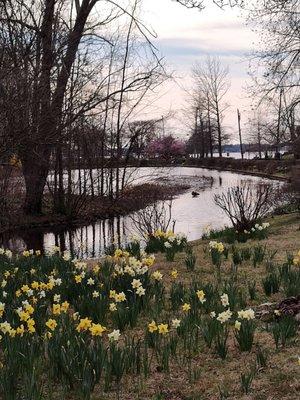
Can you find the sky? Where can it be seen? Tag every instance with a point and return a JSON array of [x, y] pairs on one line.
[[185, 36]]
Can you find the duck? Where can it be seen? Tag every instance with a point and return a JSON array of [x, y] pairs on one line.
[[195, 194]]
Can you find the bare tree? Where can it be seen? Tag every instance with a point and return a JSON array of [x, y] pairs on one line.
[[278, 22], [201, 4], [211, 86], [50, 79], [154, 217], [245, 204]]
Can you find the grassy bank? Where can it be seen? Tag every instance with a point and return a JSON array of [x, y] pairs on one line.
[[134, 328], [280, 378]]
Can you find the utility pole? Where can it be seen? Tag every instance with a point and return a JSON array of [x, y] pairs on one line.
[[209, 129], [259, 139], [163, 125], [196, 127], [277, 155], [240, 133]]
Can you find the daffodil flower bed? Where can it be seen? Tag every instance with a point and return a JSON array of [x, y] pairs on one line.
[[166, 242], [258, 231], [84, 327]]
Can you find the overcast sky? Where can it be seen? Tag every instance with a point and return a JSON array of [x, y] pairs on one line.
[[185, 36]]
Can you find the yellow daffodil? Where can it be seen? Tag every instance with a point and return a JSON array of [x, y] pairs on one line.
[[23, 315], [97, 329], [120, 297], [20, 330], [84, 325], [31, 325], [35, 285], [56, 309], [201, 296], [51, 324], [174, 273], [64, 306], [25, 288], [96, 269], [2, 308], [163, 329], [78, 278], [29, 309], [186, 307], [152, 327]]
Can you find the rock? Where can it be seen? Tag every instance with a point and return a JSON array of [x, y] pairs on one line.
[[290, 306]]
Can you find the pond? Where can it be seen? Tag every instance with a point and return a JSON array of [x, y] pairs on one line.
[[191, 214]]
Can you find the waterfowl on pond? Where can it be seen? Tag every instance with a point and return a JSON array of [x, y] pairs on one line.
[[195, 194]]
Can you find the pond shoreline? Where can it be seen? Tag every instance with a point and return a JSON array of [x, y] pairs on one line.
[[133, 199], [155, 192], [94, 231], [244, 172]]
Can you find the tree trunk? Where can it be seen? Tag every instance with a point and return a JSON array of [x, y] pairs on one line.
[[219, 132], [35, 171]]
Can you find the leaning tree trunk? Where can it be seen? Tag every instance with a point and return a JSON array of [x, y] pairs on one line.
[[35, 171]]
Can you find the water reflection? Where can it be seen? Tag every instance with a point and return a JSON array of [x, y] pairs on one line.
[[192, 215]]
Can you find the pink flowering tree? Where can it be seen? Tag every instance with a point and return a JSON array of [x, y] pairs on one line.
[[167, 148]]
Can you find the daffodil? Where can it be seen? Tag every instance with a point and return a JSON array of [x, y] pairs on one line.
[[97, 329], [136, 283], [23, 315], [91, 282], [114, 336], [30, 325], [20, 330], [186, 307], [237, 325], [176, 323], [35, 285], [78, 278], [112, 307], [152, 327], [51, 324], [64, 306], [25, 288], [174, 273], [157, 276], [29, 309], [163, 329], [201, 296], [224, 300], [120, 297], [224, 316], [140, 291], [84, 324], [2, 308], [56, 309], [246, 314]]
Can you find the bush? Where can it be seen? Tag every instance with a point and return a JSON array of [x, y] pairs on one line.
[[245, 205]]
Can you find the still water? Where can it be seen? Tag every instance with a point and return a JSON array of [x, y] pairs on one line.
[[191, 214]]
